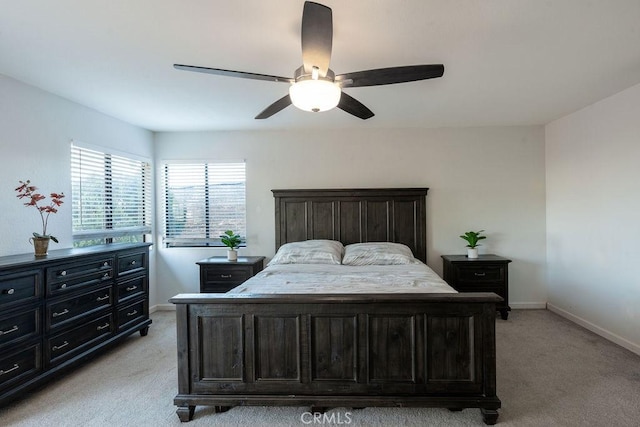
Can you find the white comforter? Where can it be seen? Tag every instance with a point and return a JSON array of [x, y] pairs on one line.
[[330, 279]]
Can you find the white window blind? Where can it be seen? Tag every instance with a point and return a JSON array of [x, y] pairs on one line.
[[202, 201], [111, 196]]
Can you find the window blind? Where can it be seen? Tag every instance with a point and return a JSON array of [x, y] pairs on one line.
[[202, 201], [111, 195]]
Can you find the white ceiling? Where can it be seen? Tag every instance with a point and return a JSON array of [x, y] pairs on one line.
[[507, 62]]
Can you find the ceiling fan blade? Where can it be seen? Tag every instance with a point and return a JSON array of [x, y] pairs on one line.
[[317, 37], [276, 107], [231, 73], [387, 76], [353, 106]]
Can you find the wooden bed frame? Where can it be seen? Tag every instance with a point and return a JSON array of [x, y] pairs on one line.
[[340, 350]]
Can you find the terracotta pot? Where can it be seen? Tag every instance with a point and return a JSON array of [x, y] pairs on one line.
[[40, 245]]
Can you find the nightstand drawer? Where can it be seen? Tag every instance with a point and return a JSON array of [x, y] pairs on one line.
[[226, 275], [485, 273], [217, 288]]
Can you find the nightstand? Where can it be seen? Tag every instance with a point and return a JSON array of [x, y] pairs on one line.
[[487, 273], [217, 274]]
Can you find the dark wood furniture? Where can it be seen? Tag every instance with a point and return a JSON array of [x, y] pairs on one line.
[[218, 274], [330, 350], [487, 273], [65, 308]]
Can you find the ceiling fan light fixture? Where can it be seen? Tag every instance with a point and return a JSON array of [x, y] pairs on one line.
[[315, 95]]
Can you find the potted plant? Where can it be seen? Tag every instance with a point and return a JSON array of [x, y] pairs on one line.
[[232, 241], [40, 241], [472, 238]]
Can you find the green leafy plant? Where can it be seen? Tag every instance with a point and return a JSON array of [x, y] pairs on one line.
[[472, 238], [27, 191], [231, 239]]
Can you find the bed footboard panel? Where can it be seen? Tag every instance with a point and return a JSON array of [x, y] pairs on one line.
[[387, 351]]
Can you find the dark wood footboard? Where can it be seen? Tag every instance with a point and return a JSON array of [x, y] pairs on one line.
[[355, 350]]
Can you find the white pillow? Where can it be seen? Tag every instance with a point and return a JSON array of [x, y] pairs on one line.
[[378, 253], [309, 252]]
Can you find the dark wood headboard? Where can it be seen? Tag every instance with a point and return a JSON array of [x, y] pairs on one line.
[[354, 216]]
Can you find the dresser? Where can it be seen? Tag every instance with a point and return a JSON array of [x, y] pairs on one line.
[[487, 273], [218, 275], [65, 308]]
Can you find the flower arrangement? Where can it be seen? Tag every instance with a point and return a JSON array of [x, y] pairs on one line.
[[28, 191]]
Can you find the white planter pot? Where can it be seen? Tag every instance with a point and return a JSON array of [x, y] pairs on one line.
[[472, 252], [232, 255]]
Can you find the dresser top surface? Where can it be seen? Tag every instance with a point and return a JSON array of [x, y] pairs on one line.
[[61, 254]]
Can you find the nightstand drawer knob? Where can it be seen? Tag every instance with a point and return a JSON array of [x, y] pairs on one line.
[[225, 276], [479, 274]]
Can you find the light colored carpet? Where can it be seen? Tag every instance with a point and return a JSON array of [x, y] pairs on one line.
[[551, 372]]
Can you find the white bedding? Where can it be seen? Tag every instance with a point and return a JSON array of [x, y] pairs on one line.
[[331, 279]]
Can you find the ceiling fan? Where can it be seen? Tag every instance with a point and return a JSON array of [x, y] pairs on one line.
[[315, 87]]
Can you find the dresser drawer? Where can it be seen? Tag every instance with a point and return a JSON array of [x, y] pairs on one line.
[[19, 326], [19, 287], [67, 344], [66, 272], [18, 366], [478, 274], [88, 281], [132, 263], [132, 314], [132, 288], [64, 311]]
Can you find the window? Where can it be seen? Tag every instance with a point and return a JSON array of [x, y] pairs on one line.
[[202, 201], [111, 197]]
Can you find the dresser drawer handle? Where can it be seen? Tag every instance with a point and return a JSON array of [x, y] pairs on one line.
[[133, 262], [62, 313], [9, 291], [63, 286], [225, 276], [105, 264], [133, 313], [59, 347], [106, 276], [8, 331], [15, 366], [105, 326], [479, 274], [103, 298], [62, 273], [132, 288]]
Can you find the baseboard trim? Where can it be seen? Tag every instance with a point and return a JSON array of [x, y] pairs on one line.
[[528, 305], [635, 348], [162, 307]]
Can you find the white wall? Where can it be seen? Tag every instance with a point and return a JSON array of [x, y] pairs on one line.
[[479, 178], [36, 128], [593, 214]]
